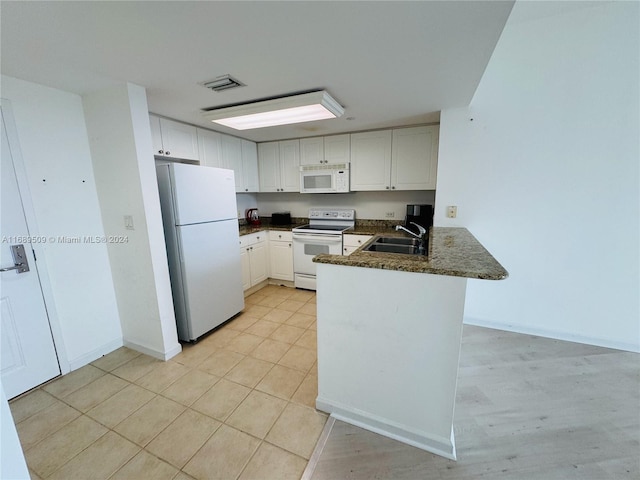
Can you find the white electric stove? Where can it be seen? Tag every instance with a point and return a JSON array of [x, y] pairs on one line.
[[323, 234]]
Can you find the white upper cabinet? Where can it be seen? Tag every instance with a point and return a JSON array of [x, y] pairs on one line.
[[210, 148], [337, 148], [173, 139], [414, 158], [232, 157], [224, 151], [311, 150], [290, 165], [371, 160], [332, 149], [269, 166], [399, 159], [250, 180], [279, 166]]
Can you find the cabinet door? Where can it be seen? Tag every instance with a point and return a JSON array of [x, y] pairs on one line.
[[251, 182], [337, 148], [259, 266], [179, 140], [371, 160], [209, 148], [156, 135], [290, 166], [414, 158], [311, 151], [269, 166], [281, 260], [232, 157], [246, 268], [348, 250]]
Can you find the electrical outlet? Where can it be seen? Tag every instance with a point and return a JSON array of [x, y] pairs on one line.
[[452, 211], [390, 214]]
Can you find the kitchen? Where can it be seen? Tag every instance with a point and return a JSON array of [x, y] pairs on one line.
[[506, 227]]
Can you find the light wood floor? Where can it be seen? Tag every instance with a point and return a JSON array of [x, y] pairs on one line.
[[527, 408]]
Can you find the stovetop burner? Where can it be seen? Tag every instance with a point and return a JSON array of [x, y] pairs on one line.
[[329, 220]]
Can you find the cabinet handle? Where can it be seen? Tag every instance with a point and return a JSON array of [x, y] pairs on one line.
[[246, 189], [289, 245], [387, 187], [393, 188], [161, 151], [359, 241], [167, 152], [279, 236]]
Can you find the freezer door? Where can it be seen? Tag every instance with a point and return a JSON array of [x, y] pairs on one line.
[[211, 275], [202, 194]]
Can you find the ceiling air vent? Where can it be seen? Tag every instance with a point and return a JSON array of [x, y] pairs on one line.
[[225, 82]]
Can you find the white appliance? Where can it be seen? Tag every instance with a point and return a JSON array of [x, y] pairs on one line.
[[324, 178], [199, 214], [323, 234]]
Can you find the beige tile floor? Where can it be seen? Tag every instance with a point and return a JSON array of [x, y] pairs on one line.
[[238, 404]]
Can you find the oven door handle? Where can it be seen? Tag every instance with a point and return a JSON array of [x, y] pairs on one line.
[[317, 236]]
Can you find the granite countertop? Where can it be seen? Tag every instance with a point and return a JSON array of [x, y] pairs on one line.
[[452, 251], [265, 224]]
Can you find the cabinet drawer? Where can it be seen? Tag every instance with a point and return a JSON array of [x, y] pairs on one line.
[[252, 239], [350, 240], [282, 236]]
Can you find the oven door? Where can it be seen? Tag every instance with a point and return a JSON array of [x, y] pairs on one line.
[[308, 245]]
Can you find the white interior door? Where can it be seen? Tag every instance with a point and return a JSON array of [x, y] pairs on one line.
[[28, 355]]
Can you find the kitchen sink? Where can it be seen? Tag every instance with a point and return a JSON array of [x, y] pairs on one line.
[[389, 248], [404, 245], [399, 241]]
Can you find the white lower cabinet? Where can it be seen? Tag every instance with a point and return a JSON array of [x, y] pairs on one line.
[[350, 242], [281, 255], [254, 259]]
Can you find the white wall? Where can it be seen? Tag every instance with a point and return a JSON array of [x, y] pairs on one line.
[[55, 150], [368, 205], [120, 139], [12, 463], [544, 168]]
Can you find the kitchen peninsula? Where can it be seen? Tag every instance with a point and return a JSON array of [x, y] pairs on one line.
[[389, 331]]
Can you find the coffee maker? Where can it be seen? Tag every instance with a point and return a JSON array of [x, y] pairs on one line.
[[420, 214]]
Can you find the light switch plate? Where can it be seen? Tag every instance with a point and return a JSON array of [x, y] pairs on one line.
[[128, 222]]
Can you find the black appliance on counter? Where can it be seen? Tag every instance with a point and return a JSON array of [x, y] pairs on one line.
[[420, 214], [281, 218]]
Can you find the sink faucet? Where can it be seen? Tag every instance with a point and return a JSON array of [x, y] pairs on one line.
[[422, 231], [420, 236]]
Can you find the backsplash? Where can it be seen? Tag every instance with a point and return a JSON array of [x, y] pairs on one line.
[[389, 206]]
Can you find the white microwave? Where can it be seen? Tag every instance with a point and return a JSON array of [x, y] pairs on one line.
[[324, 178]]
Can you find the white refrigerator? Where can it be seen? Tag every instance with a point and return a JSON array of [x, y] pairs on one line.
[[201, 233]]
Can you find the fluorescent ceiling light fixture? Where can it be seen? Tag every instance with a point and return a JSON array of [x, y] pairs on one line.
[[305, 107]]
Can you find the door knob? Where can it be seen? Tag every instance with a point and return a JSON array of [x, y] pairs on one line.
[[20, 263]]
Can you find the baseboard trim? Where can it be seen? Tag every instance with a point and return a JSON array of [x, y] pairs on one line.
[[445, 447], [255, 288], [281, 283], [95, 354], [164, 356], [555, 334]]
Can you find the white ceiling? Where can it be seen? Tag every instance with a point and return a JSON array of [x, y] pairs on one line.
[[388, 63]]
